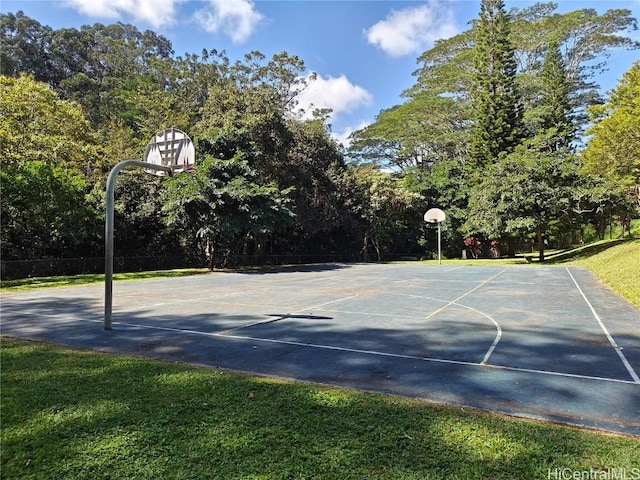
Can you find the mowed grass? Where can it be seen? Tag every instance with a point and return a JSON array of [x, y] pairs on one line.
[[618, 267], [85, 279], [73, 414]]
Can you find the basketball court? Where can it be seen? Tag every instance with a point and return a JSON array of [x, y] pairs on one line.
[[534, 341]]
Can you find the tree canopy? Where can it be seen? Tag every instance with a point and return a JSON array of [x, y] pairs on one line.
[[614, 144], [491, 131]]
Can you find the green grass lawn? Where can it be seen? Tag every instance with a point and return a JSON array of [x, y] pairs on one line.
[[73, 280], [72, 414], [618, 267]]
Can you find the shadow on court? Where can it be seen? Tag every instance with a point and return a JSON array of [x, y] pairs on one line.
[[314, 268], [542, 370]]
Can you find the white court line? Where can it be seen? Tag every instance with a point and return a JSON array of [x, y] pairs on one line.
[[376, 353], [613, 343], [485, 359], [452, 302], [344, 349]]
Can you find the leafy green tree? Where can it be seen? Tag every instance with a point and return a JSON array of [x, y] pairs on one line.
[[613, 149], [36, 125], [525, 192], [599, 200], [250, 112], [47, 150], [314, 163], [419, 133], [385, 206], [25, 46], [221, 207], [188, 80], [245, 112], [88, 65], [445, 186], [497, 115], [44, 212]]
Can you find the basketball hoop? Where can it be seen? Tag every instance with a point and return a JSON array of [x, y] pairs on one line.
[[169, 152], [436, 216], [171, 148]]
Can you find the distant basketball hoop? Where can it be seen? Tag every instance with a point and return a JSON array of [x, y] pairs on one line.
[[437, 216], [434, 215], [171, 148]]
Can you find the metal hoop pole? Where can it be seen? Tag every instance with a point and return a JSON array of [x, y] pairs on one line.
[[108, 231], [439, 247]]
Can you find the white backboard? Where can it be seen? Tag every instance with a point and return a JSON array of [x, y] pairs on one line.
[[172, 148], [434, 215]]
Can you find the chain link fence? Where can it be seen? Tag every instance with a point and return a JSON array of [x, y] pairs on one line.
[[16, 269]]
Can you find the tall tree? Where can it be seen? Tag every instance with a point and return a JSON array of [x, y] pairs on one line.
[[614, 143], [246, 111], [25, 46], [314, 161], [555, 104], [429, 129], [497, 115], [445, 76]]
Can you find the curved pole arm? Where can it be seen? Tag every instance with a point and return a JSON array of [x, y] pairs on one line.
[[108, 231]]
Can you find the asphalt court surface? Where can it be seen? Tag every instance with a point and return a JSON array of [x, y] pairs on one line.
[[535, 341]]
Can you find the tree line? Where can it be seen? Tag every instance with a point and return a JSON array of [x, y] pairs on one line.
[[506, 128], [490, 132]]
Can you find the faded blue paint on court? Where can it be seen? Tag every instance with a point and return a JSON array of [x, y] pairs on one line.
[[535, 341]]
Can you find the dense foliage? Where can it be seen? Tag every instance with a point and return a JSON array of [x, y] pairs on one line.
[[492, 130], [489, 132]]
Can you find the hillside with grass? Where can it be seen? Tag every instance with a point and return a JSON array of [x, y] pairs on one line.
[[616, 263]]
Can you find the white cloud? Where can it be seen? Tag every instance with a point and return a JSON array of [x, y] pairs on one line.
[[338, 94], [235, 18], [412, 30], [342, 136], [155, 12]]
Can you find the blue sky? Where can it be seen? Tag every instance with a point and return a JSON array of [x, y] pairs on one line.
[[363, 51]]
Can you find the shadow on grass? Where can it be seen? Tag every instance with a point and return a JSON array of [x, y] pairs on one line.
[[74, 414], [582, 252]]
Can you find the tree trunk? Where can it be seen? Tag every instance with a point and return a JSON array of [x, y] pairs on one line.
[[211, 255], [540, 245], [376, 245], [365, 247]]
